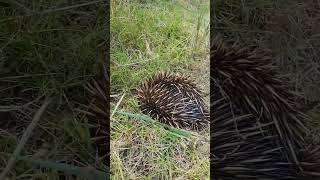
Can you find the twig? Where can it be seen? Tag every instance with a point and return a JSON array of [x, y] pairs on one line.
[[118, 103]]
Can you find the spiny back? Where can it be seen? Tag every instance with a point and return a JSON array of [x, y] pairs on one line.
[[174, 100], [251, 83]]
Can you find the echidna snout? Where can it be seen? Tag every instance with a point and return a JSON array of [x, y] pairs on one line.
[[173, 100]]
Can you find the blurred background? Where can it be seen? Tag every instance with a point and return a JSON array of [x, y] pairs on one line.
[[290, 31], [51, 49]]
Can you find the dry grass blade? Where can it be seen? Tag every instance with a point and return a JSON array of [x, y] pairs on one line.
[[117, 105], [25, 138]]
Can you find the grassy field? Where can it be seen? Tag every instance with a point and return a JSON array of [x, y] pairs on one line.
[[148, 37], [49, 49]]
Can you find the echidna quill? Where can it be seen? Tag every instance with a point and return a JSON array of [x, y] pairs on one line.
[[257, 130], [97, 111], [174, 100]]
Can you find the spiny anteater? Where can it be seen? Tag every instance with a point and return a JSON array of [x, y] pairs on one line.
[[257, 131], [174, 100], [98, 113]]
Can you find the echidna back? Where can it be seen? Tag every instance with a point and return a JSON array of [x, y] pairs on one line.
[[173, 100], [256, 125]]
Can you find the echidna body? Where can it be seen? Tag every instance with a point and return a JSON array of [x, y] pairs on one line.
[[97, 110], [174, 100], [240, 148], [257, 130]]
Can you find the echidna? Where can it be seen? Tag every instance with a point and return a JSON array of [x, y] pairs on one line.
[[257, 130], [174, 100], [98, 112]]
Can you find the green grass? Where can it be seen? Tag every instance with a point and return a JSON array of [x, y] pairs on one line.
[[49, 49], [148, 37], [145, 40]]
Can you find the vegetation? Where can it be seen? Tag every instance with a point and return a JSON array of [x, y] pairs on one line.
[[49, 50], [148, 37]]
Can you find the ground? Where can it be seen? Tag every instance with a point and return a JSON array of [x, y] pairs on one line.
[[148, 37]]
